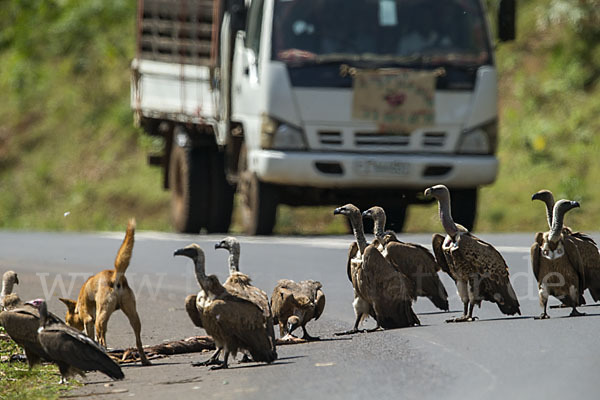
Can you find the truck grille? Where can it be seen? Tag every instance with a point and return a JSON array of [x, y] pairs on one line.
[[391, 142], [177, 31]]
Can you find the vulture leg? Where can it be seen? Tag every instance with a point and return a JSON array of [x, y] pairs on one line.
[[306, 336], [246, 359], [465, 317], [576, 313], [543, 293], [64, 370], [377, 328], [353, 330], [222, 365], [213, 360]]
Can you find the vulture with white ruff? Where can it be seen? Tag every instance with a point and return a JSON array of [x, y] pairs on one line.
[[557, 263], [240, 284], [294, 304], [478, 269], [585, 244], [412, 259], [379, 289], [233, 322], [72, 350]]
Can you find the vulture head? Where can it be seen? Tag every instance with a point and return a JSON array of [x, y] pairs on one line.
[[375, 213], [439, 192], [293, 322], [72, 317], [9, 279], [192, 251], [229, 243], [543, 195], [348, 210]]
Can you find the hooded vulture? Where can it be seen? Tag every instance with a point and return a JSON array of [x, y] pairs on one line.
[[477, 267], [585, 244], [385, 292], [414, 260], [557, 263], [72, 350], [294, 304], [8, 299], [240, 284], [21, 324], [233, 322]]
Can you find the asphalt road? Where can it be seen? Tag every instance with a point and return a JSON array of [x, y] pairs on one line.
[[496, 357]]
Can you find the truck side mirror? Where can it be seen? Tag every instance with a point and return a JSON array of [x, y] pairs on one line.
[[507, 18]]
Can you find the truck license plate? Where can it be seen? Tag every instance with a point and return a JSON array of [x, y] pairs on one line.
[[375, 167]]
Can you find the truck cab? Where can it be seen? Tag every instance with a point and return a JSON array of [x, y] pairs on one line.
[[270, 107]]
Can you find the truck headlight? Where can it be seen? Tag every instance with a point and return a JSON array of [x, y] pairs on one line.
[[277, 135], [480, 140]]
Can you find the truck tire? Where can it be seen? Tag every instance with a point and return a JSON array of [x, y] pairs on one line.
[[189, 180], [395, 217], [464, 206], [258, 201], [221, 195]]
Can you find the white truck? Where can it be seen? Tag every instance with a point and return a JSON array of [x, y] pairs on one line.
[[251, 95]]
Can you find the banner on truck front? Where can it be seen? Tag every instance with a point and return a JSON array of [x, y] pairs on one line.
[[398, 100]]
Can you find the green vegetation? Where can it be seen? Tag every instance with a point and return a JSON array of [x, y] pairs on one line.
[[67, 143], [18, 382]]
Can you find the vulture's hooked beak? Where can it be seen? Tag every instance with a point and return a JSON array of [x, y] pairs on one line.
[[220, 245], [338, 211], [16, 279], [185, 252], [427, 192], [574, 204], [536, 196], [367, 214]]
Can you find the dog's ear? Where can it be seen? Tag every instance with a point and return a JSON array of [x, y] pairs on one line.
[[71, 304]]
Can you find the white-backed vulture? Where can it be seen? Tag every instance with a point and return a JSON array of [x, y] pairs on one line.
[[375, 281], [240, 284], [233, 322], [585, 244], [8, 299], [412, 259], [295, 304], [72, 350], [478, 269], [362, 307], [557, 263]]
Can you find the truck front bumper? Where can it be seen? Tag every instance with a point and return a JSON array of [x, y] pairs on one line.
[[349, 170]]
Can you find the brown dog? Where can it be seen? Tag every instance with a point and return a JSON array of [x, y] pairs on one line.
[[104, 293]]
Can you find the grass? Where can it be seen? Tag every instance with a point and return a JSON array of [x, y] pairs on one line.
[[68, 147], [17, 382]]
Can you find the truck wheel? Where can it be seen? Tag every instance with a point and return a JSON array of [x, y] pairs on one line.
[[464, 206], [189, 180], [395, 217], [221, 195], [258, 201]]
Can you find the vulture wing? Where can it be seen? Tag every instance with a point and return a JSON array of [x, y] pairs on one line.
[[242, 321], [192, 310], [320, 304], [21, 325], [436, 243], [352, 251], [388, 291], [492, 282], [64, 344], [419, 264], [574, 257]]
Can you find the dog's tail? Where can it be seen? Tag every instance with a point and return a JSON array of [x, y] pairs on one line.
[[124, 253]]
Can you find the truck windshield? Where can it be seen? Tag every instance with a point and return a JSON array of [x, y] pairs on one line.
[[389, 31]]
